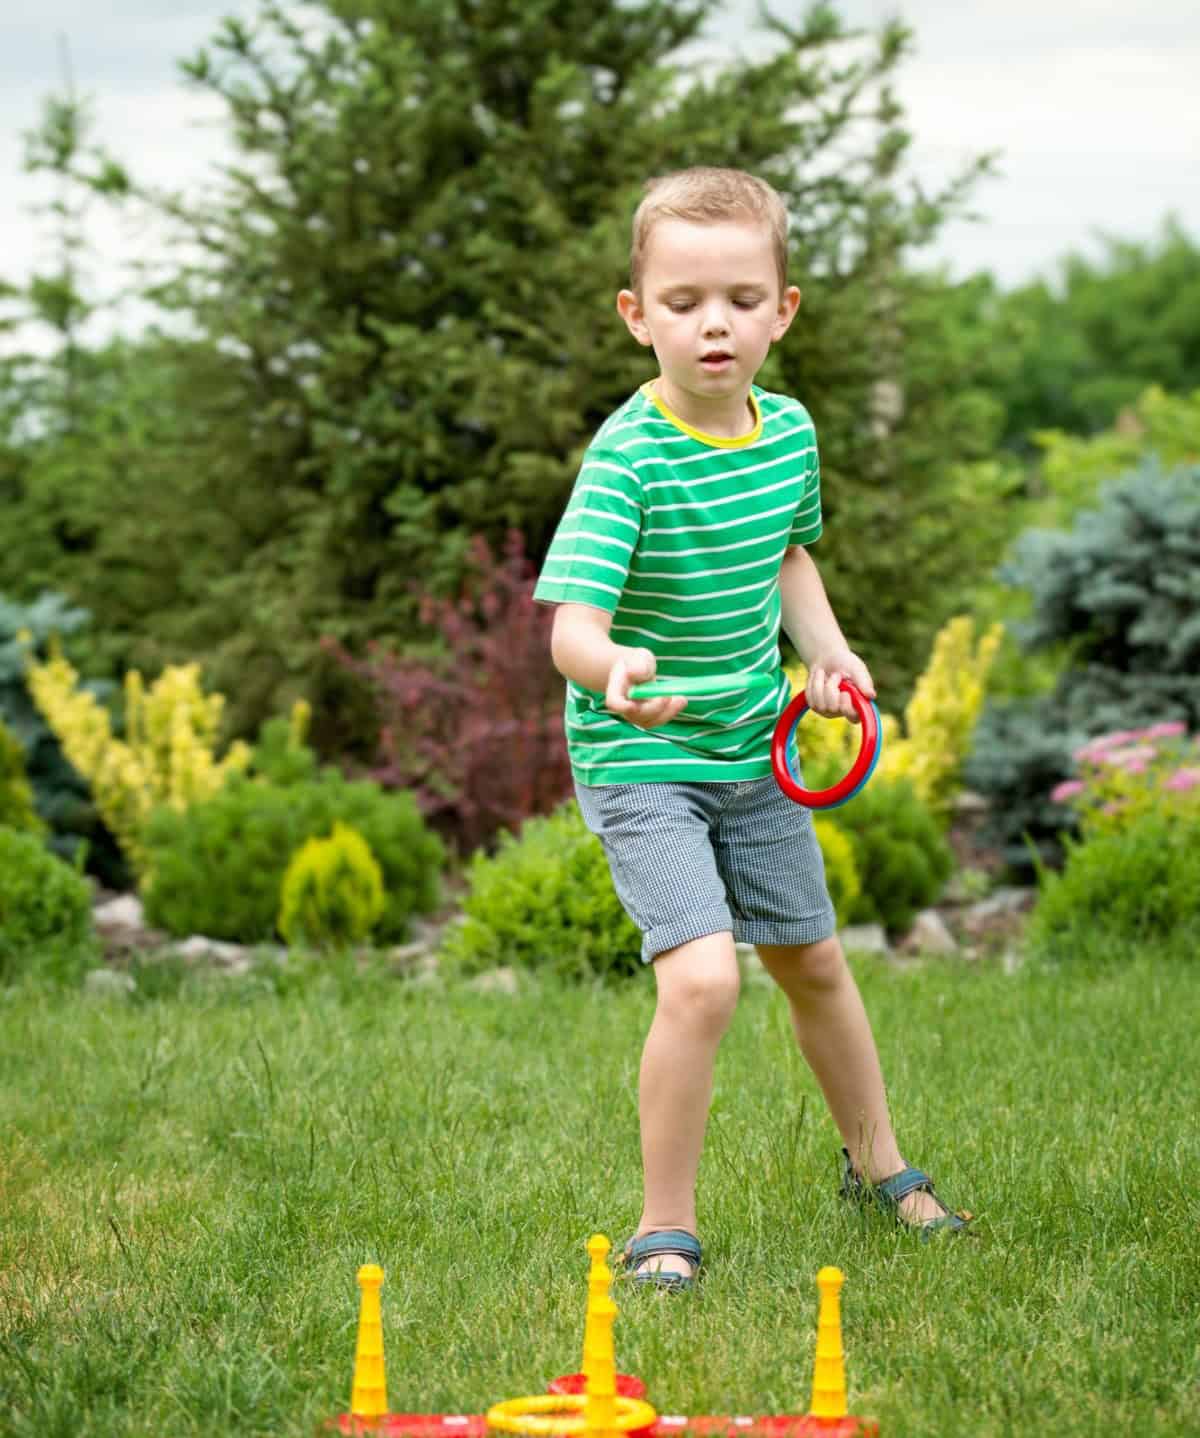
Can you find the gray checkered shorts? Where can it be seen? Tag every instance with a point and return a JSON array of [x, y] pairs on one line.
[[695, 859]]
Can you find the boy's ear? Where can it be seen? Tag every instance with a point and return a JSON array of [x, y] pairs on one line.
[[629, 307], [788, 305]]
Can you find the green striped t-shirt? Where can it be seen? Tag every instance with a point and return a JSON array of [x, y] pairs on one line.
[[679, 536]]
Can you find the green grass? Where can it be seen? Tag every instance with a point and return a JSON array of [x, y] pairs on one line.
[[188, 1182]]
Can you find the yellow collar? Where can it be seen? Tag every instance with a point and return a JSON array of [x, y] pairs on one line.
[[721, 441]]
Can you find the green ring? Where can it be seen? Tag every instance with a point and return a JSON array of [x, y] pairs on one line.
[[708, 684]]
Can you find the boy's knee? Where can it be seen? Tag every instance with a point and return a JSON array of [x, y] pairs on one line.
[[698, 986], [819, 965]]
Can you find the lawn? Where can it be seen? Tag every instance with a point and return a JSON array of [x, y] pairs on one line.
[[190, 1178]]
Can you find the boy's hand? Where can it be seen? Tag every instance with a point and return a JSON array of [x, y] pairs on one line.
[[827, 672], [638, 666]]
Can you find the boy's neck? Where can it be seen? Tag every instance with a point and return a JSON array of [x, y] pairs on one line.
[[724, 417]]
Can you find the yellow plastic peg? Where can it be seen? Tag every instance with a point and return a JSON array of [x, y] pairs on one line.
[[368, 1396], [599, 1288], [600, 1367], [829, 1371]]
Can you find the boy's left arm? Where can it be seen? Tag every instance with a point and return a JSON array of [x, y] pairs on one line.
[[810, 623]]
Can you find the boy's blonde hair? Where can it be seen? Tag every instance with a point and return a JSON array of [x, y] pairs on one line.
[[706, 194]]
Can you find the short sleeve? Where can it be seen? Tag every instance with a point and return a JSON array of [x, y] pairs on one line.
[[588, 558], [806, 525]]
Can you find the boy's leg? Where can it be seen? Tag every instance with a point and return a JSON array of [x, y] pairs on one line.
[[697, 992], [834, 1034]]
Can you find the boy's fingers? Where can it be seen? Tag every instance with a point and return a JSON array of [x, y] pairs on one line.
[[860, 676], [650, 713], [638, 668], [617, 696], [822, 692]]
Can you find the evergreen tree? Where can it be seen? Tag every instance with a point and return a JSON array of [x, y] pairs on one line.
[[403, 310], [411, 273]]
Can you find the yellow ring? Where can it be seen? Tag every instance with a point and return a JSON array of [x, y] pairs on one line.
[[523, 1415]]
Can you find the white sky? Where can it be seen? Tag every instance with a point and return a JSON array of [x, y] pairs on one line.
[[1093, 106]]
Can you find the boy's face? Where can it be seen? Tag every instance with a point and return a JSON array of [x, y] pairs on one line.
[[710, 306]]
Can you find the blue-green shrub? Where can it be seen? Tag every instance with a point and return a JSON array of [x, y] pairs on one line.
[[544, 900], [1020, 751], [1118, 596], [45, 906], [217, 869]]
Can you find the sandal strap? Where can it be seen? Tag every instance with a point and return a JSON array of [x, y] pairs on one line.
[[890, 1192], [954, 1222], [676, 1241], [669, 1282], [900, 1185]]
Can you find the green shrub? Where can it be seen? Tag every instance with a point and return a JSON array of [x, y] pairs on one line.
[[45, 905], [1122, 889], [332, 894], [900, 852], [16, 795], [281, 755], [218, 868], [841, 873], [544, 900]]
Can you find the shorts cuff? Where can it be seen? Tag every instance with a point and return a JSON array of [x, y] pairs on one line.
[[804, 931], [681, 931]]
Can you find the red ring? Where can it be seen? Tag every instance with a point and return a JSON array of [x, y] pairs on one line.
[[825, 798]]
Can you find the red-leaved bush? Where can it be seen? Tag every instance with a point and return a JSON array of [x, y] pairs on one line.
[[476, 734]]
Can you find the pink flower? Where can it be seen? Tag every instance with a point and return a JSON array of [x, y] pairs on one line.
[[1169, 729], [1135, 754], [1066, 790], [1115, 739], [1182, 780]]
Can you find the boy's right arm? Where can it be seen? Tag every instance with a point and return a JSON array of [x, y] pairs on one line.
[[582, 650]]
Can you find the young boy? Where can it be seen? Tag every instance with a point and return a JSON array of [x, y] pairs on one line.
[[681, 551]]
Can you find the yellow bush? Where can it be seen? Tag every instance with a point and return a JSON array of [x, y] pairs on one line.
[[939, 718], [166, 757], [941, 715], [841, 872], [332, 894]]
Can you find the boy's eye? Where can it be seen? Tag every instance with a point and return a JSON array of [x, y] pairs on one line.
[[742, 302]]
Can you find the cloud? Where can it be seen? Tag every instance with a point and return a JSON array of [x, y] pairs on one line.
[[1091, 106], [131, 45]]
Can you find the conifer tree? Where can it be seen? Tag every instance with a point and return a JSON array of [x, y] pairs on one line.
[[411, 272], [402, 311]]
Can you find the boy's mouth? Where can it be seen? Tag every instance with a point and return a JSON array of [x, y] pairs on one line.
[[716, 359]]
